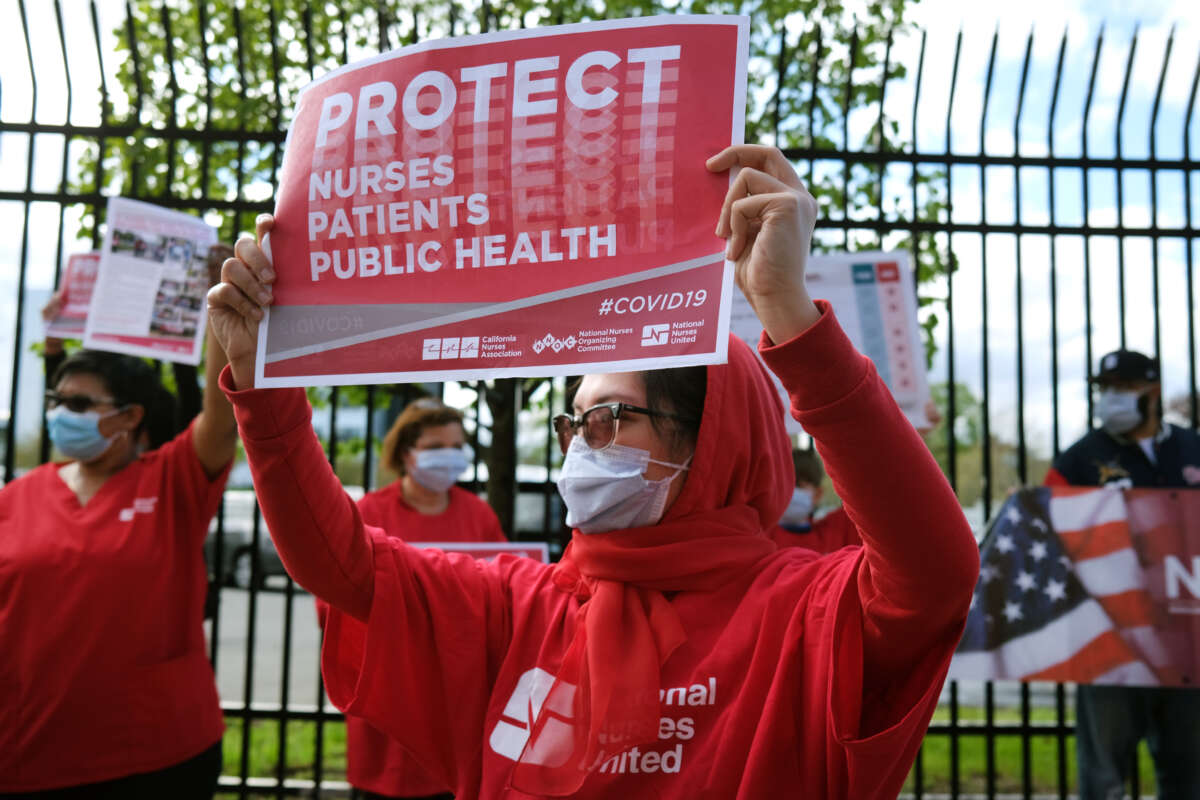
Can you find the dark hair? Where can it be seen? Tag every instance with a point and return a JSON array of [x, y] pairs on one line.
[[164, 419], [130, 381], [679, 391], [808, 467], [408, 427]]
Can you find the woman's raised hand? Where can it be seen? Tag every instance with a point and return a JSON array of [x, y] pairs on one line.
[[235, 305], [767, 220]]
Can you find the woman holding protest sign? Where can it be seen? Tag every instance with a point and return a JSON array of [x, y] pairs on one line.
[[425, 447], [108, 689], [674, 651]]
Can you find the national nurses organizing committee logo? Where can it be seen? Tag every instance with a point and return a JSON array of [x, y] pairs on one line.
[[654, 335], [554, 343]]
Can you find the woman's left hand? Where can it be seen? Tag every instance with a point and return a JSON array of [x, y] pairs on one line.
[[768, 219]]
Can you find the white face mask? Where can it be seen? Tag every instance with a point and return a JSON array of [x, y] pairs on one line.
[[1118, 410], [605, 490], [438, 469], [800, 509]]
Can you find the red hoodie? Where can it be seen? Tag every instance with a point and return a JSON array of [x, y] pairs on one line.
[[813, 676], [374, 761], [828, 534]]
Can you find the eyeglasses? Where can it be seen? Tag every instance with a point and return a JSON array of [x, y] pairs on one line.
[[77, 403], [599, 424]]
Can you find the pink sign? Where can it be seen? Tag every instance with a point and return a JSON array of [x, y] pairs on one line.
[[487, 551], [151, 282], [525, 203], [76, 285]]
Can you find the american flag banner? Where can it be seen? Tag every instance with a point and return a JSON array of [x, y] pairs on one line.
[[1089, 586]]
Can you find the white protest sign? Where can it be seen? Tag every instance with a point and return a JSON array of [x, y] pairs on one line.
[[149, 296], [873, 296]]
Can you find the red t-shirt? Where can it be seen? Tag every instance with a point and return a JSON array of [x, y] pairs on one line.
[[801, 675], [376, 762], [467, 518], [831, 532], [103, 670]]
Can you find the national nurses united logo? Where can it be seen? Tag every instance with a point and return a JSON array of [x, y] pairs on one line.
[[540, 697], [557, 738], [550, 341], [655, 335]]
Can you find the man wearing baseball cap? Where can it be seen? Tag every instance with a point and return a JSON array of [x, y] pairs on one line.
[[1133, 447]]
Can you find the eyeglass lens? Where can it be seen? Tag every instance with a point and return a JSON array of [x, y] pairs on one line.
[[598, 428], [77, 403]]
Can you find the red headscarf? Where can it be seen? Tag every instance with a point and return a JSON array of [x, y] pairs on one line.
[[738, 485]]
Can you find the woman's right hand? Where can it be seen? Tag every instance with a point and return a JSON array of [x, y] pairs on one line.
[[235, 305]]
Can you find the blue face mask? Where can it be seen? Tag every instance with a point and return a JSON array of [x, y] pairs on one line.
[[438, 469], [77, 434], [800, 509]]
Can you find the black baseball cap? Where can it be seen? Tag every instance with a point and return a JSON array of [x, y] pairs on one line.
[[1127, 365]]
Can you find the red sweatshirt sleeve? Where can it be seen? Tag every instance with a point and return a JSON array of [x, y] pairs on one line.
[[315, 525], [412, 637], [920, 558]]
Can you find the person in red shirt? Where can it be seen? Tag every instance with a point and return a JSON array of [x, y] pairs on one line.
[[107, 687], [425, 447], [674, 651], [167, 415], [799, 526]]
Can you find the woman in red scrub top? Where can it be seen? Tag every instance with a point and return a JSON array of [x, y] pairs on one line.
[[107, 687], [425, 447], [674, 652]]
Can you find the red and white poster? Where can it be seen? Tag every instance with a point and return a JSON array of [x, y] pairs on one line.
[[487, 551], [76, 286], [875, 300], [531, 202], [149, 297]]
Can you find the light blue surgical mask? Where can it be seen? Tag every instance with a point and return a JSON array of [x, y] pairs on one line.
[[604, 490], [1119, 410], [438, 469], [800, 509], [76, 434]]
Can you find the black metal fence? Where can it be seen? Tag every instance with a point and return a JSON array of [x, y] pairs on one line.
[[1046, 187]]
